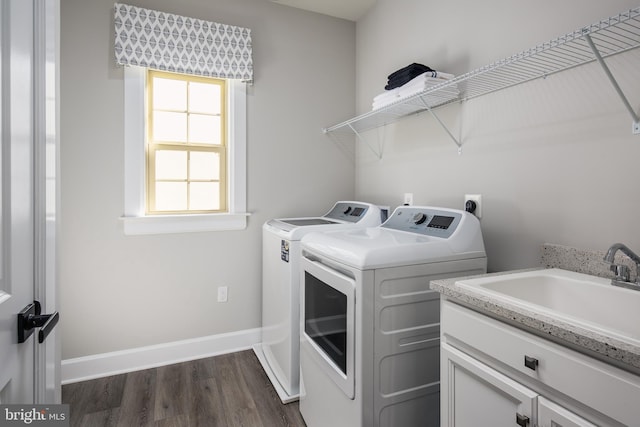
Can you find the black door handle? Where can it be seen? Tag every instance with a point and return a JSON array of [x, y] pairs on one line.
[[30, 318]]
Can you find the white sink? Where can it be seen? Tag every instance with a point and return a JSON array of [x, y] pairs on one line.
[[583, 300]]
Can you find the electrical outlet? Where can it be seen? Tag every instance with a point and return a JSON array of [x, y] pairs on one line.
[[222, 294], [477, 199], [408, 199]]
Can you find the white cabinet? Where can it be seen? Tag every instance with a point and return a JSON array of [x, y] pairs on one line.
[[493, 374], [481, 396]]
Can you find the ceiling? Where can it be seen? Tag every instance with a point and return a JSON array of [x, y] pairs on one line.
[[345, 9]]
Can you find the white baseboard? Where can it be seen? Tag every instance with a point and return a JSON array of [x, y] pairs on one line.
[[119, 362]]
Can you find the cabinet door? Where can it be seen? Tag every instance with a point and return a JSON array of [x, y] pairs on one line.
[[553, 415], [475, 395]]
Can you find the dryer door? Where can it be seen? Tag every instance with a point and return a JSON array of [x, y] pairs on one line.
[[328, 305]]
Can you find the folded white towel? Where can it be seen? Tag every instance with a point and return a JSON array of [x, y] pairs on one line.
[[387, 95], [384, 103], [386, 98], [418, 84], [437, 75], [423, 78], [411, 89], [429, 76]]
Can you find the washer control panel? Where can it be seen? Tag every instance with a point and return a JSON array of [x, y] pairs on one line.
[[424, 220], [352, 212]]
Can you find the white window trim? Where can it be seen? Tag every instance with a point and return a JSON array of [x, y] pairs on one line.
[[134, 219]]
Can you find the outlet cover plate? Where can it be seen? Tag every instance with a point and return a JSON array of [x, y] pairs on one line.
[[476, 198]]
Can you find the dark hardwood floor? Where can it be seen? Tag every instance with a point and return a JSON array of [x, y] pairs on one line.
[[227, 390]]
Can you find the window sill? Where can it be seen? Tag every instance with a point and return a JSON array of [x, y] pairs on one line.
[[166, 224]]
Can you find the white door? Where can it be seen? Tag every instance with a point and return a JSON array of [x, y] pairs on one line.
[[476, 395], [23, 242]]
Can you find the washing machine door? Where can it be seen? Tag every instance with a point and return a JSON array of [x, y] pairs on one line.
[[328, 316]]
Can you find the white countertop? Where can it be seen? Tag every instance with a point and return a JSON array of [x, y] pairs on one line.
[[622, 354]]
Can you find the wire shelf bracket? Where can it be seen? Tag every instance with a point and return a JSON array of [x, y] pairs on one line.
[[446, 129], [635, 128], [364, 140]]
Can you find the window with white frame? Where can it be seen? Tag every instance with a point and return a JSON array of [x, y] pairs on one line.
[[186, 144], [184, 119], [136, 219]]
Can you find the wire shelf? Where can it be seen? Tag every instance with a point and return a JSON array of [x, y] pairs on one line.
[[610, 36]]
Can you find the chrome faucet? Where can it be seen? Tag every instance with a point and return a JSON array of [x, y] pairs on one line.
[[622, 271]]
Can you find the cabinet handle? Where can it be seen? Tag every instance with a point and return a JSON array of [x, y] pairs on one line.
[[531, 362], [522, 420]]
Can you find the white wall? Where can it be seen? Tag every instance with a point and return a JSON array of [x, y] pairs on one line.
[[554, 160], [121, 292]]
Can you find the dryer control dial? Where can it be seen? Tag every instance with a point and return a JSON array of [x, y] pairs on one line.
[[419, 218]]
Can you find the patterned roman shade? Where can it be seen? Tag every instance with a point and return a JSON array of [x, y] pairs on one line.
[[169, 42]]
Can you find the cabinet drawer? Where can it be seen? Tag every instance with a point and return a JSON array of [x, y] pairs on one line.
[[471, 387], [607, 389]]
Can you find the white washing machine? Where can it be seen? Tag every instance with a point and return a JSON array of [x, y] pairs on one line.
[[370, 325], [279, 350]]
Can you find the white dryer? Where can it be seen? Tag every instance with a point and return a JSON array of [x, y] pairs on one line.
[[370, 325], [280, 347]]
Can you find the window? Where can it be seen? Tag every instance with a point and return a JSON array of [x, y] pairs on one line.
[[186, 144], [191, 176]]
